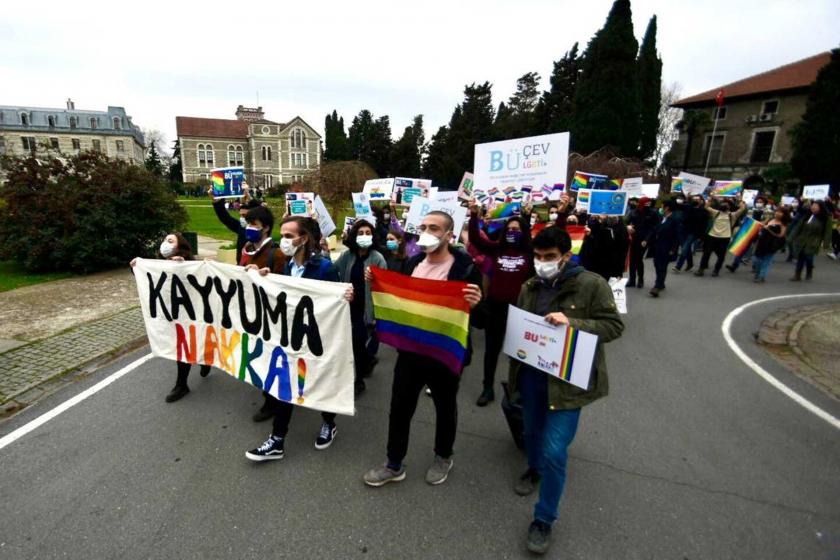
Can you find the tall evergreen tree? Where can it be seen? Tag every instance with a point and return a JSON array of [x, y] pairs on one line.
[[441, 165], [381, 146], [407, 152], [471, 124], [650, 91], [519, 118], [503, 124], [335, 139], [153, 162], [606, 102], [554, 111], [176, 167], [360, 136], [816, 140]]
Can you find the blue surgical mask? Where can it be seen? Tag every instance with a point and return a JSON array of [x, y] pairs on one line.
[[392, 244], [253, 234]]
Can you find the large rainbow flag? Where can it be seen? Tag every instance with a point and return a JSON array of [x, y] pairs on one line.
[[746, 235], [577, 233], [727, 188], [427, 317]]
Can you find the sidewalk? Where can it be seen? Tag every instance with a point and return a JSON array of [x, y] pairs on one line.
[[806, 340]]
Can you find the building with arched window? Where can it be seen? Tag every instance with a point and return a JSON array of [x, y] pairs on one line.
[[66, 131], [271, 152]]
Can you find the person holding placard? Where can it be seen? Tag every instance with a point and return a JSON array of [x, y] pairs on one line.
[[234, 225], [723, 216], [565, 295]]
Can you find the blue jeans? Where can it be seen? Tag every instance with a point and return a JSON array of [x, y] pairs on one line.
[[762, 265], [687, 251], [548, 435]]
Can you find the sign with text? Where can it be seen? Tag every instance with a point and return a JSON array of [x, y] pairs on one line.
[[465, 189], [607, 203], [563, 352], [300, 204], [322, 216], [619, 289], [406, 189], [632, 186], [227, 182], [692, 184], [361, 204], [379, 189], [421, 206], [815, 192], [536, 161]]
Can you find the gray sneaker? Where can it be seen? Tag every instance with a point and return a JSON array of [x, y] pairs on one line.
[[378, 476], [439, 470]]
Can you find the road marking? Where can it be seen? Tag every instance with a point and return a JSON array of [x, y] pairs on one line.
[[66, 405], [763, 373]]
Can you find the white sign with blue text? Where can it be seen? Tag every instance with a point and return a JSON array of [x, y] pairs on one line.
[[536, 161]]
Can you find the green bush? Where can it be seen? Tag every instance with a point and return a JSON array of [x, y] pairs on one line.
[[82, 214]]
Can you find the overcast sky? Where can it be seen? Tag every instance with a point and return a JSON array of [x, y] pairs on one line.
[[162, 59]]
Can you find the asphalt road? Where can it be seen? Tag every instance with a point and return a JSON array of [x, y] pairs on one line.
[[692, 456]]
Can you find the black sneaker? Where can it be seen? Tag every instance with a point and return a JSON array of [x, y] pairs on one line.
[[527, 483], [327, 435], [204, 371], [270, 450], [539, 537], [487, 395], [358, 387], [731, 268], [177, 393]]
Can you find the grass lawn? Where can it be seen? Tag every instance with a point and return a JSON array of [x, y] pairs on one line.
[[12, 276]]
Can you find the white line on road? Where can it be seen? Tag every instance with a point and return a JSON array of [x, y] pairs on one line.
[[763, 373], [47, 416]]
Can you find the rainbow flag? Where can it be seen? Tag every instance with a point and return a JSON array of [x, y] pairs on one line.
[[568, 357], [427, 317], [677, 184], [583, 180], [746, 235], [727, 188], [217, 178], [615, 184], [577, 233], [505, 210]]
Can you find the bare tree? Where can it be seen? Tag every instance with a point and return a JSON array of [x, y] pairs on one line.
[[668, 119]]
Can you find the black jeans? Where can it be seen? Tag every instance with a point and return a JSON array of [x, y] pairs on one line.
[[494, 338], [283, 416], [184, 372], [716, 245], [637, 263], [411, 373]]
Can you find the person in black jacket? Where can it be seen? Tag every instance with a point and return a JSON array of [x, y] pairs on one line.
[[413, 371], [642, 221], [662, 243], [695, 223], [234, 225]]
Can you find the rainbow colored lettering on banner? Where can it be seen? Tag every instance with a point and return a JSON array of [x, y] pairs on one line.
[[746, 235], [727, 188], [569, 348], [427, 317]]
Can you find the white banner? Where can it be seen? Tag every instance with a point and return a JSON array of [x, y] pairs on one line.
[[815, 192], [650, 190], [632, 186], [560, 351], [287, 336], [322, 216], [361, 204], [537, 161], [693, 184], [619, 289], [421, 206], [446, 197]]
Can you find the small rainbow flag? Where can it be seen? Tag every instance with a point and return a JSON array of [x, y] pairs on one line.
[[427, 317], [217, 178], [583, 198], [727, 188], [577, 233], [505, 210], [579, 181], [746, 235], [568, 357], [583, 180], [615, 184], [677, 184]]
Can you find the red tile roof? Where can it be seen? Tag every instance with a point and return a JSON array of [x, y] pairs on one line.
[[211, 128], [796, 75]]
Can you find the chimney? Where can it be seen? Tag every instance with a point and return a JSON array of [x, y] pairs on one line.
[[70, 105], [249, 113]]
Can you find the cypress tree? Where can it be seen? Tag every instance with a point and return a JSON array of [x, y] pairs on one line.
[[554, 112], [650, 91], [606, 102]]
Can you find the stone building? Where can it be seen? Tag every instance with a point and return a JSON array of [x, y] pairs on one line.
[[271, 152], [70, 131], [753, 124]]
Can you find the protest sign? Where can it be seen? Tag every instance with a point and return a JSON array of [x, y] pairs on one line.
[[378, 189], [607, 203], [632, 186], [591, 181], [361, 204], [421, 206], [287, 336], [536, 161], [747, 233], [749, 197], [405, 190], [322, 216], [348, 223], [446, 196], [727, 188], [788, 200], [582, 202], [561, 351], [650, 190], [227, 182], [619, 289], [677, 184], [300, 204], [465, 189], [692, 184], [815, 192]]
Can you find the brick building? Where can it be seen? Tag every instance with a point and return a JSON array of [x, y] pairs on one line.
[[271, 152], [753, 125], [70, 131]]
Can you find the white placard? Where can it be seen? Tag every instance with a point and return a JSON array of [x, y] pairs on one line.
[[361, 204], [815, 192], [582, 200], [322, 216], [446, 196], [300, 204], [531, 340], [749, 196], [536, 161], [788, 200], [693, 184], [379, 189], [619, 289], [650, 190], [632, 186], [421, 206]]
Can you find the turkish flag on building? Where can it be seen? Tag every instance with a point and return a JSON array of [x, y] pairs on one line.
[[719, 98]]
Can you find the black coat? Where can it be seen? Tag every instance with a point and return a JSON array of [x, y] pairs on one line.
[[663, 241], [644, 223]]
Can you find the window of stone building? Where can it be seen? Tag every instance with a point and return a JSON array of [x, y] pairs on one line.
[[51, 121], [117, 123], [28, 143], [97, 146], [720, 113], [762, 146], [268, 181], [205, 155], [54, 143], [73, 122], [770, 107], [266, 153], [713, 148], [93, 122], [236, 155], [120, 146], [77, 145], [298, 138], [24, 119]]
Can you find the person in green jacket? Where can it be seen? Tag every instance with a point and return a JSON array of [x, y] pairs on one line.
[[565, 294], [812, 231]]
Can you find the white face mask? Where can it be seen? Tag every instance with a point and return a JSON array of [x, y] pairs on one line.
[[553, 216], [243, 223], [428, 242], [547, 270], [759, 206], [288, 247], [364, 241], [167, 249]]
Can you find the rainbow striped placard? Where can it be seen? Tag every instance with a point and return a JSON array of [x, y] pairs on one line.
[[727, 188], [583, 180], [746, 235], [427, 317]]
